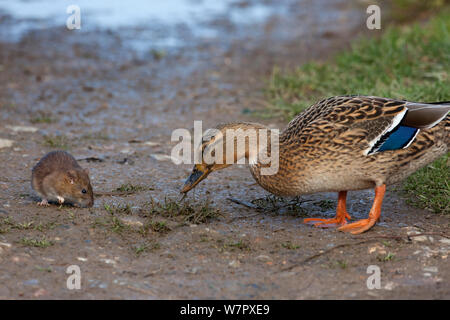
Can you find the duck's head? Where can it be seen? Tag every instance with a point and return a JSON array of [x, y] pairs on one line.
[[200, 172], [213, 151]]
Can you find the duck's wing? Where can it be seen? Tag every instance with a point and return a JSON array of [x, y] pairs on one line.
[[370, 124]]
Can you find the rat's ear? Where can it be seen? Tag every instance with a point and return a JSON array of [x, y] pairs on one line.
[[70, 176]]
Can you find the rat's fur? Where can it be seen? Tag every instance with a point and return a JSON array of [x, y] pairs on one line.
[[59, 177]]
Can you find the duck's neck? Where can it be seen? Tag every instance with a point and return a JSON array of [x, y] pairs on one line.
[[266, 157]]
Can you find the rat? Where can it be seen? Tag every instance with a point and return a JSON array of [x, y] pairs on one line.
[[59, 177]]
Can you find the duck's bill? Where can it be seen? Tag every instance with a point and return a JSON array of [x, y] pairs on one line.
[[194, 179]]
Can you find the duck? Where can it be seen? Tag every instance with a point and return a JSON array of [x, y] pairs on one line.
[[339, 144]]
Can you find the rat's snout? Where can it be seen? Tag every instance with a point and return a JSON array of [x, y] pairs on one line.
[[85, 203]]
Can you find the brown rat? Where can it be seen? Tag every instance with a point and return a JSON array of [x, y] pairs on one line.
[[59, 177]]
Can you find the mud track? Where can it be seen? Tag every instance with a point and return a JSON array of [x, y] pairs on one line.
[[100, 99]]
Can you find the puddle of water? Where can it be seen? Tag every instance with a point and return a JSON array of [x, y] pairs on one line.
[[177, 24], [131, 14], [114, 14]]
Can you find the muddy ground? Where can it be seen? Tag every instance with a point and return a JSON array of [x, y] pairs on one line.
[[103, 100]]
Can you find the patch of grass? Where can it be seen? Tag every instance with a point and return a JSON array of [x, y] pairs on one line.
[[24, 225], [289, 245], [118, 208], [195, 213], [48, 269], [39, 243], [405, 63], [388, 257], [117, 225], [204, 238], [8, 224], [325, 204], [8, 105], [159, 226], [99, 222], [111, 223], [402, 11], [5, 225], [429, 188], [272, 203], [128, 187], [56, 142], [409, 62], [96, 136], [42, 117], [147, 246], [386, 243], [4, 230], [240, 244], [8, 221], [158, 54], [338, 264]]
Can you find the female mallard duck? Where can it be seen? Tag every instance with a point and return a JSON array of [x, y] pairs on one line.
[[344, 143]]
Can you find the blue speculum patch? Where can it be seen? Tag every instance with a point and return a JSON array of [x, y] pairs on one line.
[[398, 138]]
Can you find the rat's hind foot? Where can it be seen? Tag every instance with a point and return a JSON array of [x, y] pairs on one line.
[[44, 203]]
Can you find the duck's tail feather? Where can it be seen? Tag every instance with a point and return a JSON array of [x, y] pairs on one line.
[[425, 115]]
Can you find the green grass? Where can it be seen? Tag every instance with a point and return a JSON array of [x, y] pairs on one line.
[[241, 245], [159, 226], [187, 212], [39, 243], [406, 63], [388, 257], [429, 187], [7, 224], [56, 142], [122, 208], [325, 204], [403, 11], [42, 119], [128, 187], [147, 246], [409, 62], [289, 245]]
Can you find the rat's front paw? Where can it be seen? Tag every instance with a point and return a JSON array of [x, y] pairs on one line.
[[60, 199], [44, 203]]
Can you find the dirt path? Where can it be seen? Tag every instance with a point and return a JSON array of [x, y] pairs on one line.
[[93, 94]]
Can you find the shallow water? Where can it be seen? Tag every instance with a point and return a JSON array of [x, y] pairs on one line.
[[164, 16], [174, 23]]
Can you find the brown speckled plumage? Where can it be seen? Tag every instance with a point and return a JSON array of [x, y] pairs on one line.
[[323, 148]]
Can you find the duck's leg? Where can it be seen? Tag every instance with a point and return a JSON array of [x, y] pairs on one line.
[[341, 214], [374, 214]]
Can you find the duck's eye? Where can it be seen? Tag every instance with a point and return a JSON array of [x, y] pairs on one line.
[[83, 191]]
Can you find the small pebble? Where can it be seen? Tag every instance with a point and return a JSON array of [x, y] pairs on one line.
[[234, 264], [5, 143]]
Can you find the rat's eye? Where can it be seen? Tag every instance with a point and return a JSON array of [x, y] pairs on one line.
[[83, 191]]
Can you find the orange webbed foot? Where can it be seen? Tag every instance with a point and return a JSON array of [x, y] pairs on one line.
[[339, 220], [365, 224], [359, 226]]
